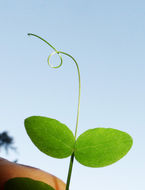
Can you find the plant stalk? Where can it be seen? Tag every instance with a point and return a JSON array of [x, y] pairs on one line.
[[77, 120], [78, 110], [70, 171]]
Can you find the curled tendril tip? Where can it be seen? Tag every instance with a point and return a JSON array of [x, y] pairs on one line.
[[61, 61]]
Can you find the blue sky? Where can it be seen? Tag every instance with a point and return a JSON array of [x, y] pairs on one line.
[[107, 38]]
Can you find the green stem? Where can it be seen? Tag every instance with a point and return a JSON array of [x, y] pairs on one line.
[[70, 171], [30, 34], [78, 109]]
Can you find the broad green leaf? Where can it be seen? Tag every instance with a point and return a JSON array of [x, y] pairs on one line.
[[100, 147], [50, 136], [26, 184]]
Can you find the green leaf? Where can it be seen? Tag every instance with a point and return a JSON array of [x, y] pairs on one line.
[[26, 184], [100, 147], [50, 136]]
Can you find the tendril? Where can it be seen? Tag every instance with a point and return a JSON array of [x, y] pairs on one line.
[[55, 67], [52, 54], [48, 60], [78, 110]]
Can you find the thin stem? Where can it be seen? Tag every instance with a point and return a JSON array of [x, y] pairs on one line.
[[30, 34], [78, 109], [70, 171]]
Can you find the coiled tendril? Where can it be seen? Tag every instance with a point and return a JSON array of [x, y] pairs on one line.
[[78, 110], [53, 53], [48, 60], [55, 67]]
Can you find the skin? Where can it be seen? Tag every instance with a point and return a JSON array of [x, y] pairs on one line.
[[10, 170]]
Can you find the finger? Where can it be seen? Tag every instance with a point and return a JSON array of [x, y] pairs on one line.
[[10, 170]]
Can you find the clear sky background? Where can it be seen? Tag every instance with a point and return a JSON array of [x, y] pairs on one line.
[[108, 40]]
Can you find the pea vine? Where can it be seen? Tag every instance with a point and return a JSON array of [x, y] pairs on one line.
[[97, 147]]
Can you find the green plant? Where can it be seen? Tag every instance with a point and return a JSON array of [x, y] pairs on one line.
[[98, 147]]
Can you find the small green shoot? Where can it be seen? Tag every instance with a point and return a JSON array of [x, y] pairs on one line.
[[98, 147]]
